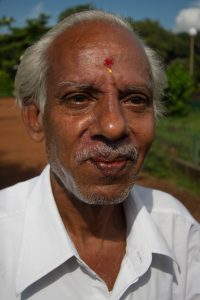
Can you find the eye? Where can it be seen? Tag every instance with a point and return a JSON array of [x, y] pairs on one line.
[[137, 102], [77, 100]]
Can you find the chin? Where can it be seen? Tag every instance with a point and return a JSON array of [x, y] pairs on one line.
[[108, 192], [104, 196]]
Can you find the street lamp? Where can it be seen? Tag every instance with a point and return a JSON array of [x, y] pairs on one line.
[[192, 33]]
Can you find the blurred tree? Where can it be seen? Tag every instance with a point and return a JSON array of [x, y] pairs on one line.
[[37, 27], [6, 22], [75, 9], [180, 89], [155, 36], [6, 84], [14, 43]]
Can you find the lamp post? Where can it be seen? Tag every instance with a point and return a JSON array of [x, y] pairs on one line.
[[192, 33]]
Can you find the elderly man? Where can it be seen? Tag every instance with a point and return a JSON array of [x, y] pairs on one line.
[[91, 89]]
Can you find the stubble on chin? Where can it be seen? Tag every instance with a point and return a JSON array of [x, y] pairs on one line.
[[74, 189]]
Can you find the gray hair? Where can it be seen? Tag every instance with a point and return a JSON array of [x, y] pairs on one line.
[[30, 81]]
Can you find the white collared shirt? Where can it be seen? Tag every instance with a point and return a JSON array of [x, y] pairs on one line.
[[38, 261]]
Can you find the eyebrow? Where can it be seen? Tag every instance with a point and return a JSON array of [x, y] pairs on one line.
[[128, 88], [137, 88], [80, 85]]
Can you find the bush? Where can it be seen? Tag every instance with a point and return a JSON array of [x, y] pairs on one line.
[[180, 89]]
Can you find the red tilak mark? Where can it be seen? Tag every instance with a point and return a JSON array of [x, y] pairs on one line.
[[108, 62]]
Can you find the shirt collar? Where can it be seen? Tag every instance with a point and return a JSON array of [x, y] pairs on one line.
[[43, 252], [143, 236]]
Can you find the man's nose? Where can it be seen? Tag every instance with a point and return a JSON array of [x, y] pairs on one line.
[[110, 121]]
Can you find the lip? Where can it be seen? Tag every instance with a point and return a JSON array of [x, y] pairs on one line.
[[110, 167]]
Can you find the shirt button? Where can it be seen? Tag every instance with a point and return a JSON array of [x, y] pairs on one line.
[[139, 256]]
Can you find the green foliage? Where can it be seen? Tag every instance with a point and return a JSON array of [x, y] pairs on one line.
[[75, 9], [180, 89], [6, 21], [181, 46], [151, 31], [6, 84], [36, 27], [197, 67], [14, 43], [167, 44]]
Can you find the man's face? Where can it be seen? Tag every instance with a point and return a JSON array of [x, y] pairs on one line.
[[99, 118]]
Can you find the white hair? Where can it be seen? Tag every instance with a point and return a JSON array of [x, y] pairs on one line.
[[31, 78]]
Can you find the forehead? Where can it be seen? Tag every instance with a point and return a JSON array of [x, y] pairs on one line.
[[93, 31], [86, 46]]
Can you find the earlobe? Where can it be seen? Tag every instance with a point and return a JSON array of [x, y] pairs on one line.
[[33, 120]]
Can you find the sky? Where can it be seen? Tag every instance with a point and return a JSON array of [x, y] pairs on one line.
[[175, 15]]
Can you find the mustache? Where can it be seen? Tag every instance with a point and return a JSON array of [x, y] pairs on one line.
[[107, 152]]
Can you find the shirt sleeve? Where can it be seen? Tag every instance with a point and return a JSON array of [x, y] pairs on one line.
[[193, 271]]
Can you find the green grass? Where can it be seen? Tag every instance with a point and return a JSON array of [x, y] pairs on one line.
[[181, 136], [188, 123], [176, 137]]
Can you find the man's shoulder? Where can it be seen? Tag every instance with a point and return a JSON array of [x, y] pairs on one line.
[[13, 198], [159, 202]]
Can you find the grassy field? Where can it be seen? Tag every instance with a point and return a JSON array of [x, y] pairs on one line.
[[177, 137], [190, 122]]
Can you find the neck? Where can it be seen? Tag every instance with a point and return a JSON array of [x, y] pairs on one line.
[[84, 221], [97, 231]]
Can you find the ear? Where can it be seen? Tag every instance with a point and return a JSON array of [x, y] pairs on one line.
[[33, 120]]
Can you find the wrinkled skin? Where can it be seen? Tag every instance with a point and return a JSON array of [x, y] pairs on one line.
[[88, 107]]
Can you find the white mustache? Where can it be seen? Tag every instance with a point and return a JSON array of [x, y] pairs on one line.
[[107, 152]]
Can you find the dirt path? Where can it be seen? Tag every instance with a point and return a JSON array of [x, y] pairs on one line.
[[20, 158]]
